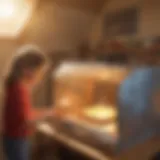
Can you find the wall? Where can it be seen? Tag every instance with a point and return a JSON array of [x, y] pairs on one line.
[[57, 28], [150, 15], [147, 22]]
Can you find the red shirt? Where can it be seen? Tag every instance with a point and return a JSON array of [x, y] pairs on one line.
[[17, 111]]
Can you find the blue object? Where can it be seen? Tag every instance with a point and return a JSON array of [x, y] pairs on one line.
[[137, 116], [16, 148]]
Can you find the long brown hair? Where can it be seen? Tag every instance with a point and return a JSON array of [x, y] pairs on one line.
[[29, 59]]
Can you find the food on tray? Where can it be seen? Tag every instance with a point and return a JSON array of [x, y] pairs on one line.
[[110, 128], [100, 112]]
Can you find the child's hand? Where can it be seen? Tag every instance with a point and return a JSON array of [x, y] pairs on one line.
[[41, 114], [49, 113]]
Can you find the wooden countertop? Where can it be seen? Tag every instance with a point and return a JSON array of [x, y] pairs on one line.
[[72, 143], [142, 151]]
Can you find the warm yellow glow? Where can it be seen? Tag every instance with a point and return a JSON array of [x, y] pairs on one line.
[[65, 102], [101, 112], [14, 14], [6, 9], [111, 128]]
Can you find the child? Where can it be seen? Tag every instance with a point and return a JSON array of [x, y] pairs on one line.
[[27, 69]]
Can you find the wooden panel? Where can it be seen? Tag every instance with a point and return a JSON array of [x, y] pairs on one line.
[[88, 5], [122, 23]]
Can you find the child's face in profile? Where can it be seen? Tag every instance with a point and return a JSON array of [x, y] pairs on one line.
[[35, 76]]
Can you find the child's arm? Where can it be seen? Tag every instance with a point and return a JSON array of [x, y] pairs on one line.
[[39, 114], [26, 113]]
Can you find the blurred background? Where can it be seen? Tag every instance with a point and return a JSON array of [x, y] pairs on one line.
[[72, 30]]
